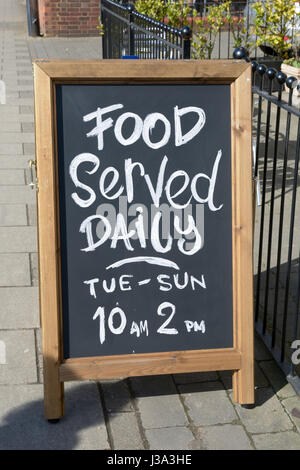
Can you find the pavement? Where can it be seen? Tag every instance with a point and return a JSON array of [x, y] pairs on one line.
[[178, 412]]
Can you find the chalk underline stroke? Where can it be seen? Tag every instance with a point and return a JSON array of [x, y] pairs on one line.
[[147, 259]]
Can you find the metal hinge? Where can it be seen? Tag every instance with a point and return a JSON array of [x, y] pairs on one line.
[[33, 180]]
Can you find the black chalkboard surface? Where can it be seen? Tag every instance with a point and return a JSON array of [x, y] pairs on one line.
[[145, 217]]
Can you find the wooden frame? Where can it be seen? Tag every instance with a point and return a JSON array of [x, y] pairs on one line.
[[47, 73]]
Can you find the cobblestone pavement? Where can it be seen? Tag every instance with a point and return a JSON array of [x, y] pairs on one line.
[[192, 411]]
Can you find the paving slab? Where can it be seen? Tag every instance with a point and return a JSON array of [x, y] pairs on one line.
[[158, 402], [32, 214], [292, 406], [27, 126], [29, 148], [16, 137], [11, 95], [23, 426], [34, 269], [11, 149], [20, 101], [24, 82], [18, 239], [25, 72], [10, 126], [8, 66], [14, 270], [19, 307], [287, 440], [10, 162], [26, 94], [17, 194], [161, 411], [267, 416], [173, 438], [198, 399], [17, 118], [9, 75], [13, 214], [225, 437], [154, 385], [125, 432], [20, 364], [11, 177], [8, 110], [12, 61], [20, 88], [276, 378], [117, 397]]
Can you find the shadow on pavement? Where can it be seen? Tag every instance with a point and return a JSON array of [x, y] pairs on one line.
[[24, 426]]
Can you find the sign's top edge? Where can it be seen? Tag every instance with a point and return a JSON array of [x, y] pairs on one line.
[[114, 69]]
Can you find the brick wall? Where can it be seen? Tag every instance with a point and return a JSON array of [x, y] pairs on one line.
[[69, 17]]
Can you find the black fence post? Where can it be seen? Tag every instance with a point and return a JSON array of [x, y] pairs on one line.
[[130, 9], [104, 31], [186, 34], [240, 53]]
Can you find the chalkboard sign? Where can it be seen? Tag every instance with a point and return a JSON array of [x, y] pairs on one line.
[[145, 222]]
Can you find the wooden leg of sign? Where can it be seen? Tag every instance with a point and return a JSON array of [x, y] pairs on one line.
[[48, 241], [242, 209], [53, 392], [243, 379], [243, 385]]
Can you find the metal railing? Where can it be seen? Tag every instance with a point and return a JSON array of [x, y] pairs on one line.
[[242, 15], [129, 33], [276, 149]]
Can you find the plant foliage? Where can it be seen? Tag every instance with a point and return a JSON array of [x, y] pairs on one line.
[[274, 22], [175, 12], [208, 29]]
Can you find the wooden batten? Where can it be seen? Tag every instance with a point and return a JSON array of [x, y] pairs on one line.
[[223, 71], [243, 379], [48, 242], [150, 364]]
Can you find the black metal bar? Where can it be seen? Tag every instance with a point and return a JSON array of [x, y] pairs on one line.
[[282, 202], [281, 80], [103, 22], [228, 41], [186, 36], [130, 9], [296, 318], [261, 69], [271, 75], [291, 235]]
